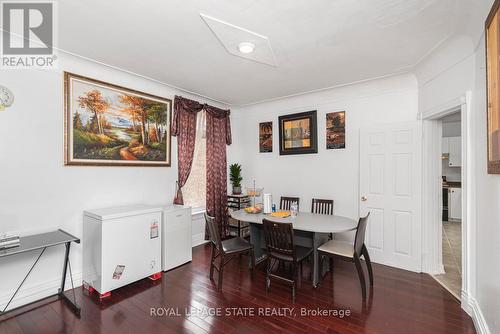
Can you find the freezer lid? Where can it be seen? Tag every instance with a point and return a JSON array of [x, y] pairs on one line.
[[121, 211]]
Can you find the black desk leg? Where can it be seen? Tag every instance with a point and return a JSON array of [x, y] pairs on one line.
[[71, 303]]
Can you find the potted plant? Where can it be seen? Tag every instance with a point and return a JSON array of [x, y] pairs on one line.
[[235, 178]]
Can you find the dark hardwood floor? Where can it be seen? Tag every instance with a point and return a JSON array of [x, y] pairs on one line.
[[401, 302]]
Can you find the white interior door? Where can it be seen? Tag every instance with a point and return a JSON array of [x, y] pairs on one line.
[[390, 189]]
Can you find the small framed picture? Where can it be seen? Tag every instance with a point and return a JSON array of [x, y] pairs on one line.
[[298, 133], [335, 130], [266, 137]]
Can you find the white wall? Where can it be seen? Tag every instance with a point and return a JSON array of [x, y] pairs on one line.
[[332, 174], [447, 74], [452, 129], [37, 192], [487, 205]]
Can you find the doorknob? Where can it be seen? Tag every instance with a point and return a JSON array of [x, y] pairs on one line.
[[364, 199]]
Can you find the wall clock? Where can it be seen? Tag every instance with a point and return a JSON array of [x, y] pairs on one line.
[[6, 97]]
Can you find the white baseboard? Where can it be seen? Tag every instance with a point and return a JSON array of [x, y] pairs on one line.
[[471, 306], [28, 294], [199, 239], [438, 271]]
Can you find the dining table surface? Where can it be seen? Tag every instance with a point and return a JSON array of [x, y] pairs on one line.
[[304, 221], [316, 227]]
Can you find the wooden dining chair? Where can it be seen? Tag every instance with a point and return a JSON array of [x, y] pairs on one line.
[[322, 206], [286, 202], [282, 250], [350, 252], [226, 250]]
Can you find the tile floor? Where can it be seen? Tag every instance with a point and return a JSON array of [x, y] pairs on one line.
[[452, 258]]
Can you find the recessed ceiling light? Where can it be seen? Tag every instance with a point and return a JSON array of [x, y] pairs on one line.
[[246, 47]]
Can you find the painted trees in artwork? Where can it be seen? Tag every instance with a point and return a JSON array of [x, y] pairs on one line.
[[119, 126], [136, 107], [149, 114], [157, 114], [95, 102], [77, 121]]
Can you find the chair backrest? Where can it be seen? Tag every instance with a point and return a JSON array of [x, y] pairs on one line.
[[322, 206], [279, 238], [359, 240], [213, 231], [286, 202]]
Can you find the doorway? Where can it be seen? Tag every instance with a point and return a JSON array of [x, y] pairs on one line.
[[432, 200], [451, 175]]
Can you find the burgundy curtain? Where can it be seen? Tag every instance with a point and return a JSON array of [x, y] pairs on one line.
[[184, 128], [218, 136]]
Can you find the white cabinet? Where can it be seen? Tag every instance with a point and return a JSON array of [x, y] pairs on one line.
[[177, 243], [455, 203], [120, 245], [455, 152]]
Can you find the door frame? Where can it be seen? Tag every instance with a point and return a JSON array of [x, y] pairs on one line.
[[432, 261]]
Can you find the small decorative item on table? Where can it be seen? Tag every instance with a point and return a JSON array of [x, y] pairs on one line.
[[253, 193], [9, 241], [294, 209], [253, 209], [281, 214]]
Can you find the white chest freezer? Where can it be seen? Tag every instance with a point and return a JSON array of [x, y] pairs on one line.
[[177, 241], [121, 245]]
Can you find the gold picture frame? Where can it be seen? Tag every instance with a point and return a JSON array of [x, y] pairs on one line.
[[110, 125], [492, 27]]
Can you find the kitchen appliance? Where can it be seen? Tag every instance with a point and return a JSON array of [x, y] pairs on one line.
[[121, 245], [268, 203], [177, 243]]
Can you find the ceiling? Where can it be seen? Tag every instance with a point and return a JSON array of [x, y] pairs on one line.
[[316, 43]]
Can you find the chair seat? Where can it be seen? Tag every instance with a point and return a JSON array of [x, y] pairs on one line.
[[301, 252], [337, 247], [235, 245]]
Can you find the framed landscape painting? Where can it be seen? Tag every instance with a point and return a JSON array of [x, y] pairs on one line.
[[493, 87], [265, 137], [110, 125], [335, 130], [298, 133]]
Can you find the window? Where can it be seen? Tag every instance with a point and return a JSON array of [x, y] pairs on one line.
[[195, 190]]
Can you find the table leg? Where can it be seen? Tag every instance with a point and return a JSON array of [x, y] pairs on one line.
[[318, 239], [315, 260], [256, 241], [71, 303]]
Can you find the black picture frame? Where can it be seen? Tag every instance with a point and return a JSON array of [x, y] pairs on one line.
[[311, 116]]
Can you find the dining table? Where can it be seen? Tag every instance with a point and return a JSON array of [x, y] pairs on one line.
[[312, 228]]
